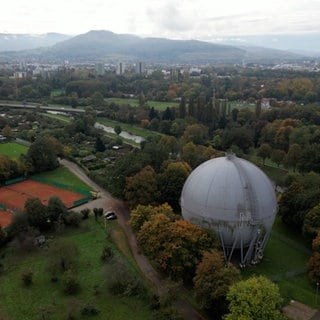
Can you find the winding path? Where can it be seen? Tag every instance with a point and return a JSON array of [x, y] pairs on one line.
[[107, 202]]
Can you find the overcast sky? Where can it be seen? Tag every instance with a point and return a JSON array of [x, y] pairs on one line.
[[176, 19]]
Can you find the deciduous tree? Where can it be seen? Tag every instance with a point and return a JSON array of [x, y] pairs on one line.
[[171, 182], [213, 279], [264, 151], [177, 246], [256, 298], [142, 188]]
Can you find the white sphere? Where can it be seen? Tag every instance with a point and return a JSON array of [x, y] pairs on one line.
[[232, 196]]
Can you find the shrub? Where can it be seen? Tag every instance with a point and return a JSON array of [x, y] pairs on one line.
[[121, 281], [85, 213], [72, 219], [89, 310], [27, 277], [70, 284], [98, 212], [107, 253], [73, 309]]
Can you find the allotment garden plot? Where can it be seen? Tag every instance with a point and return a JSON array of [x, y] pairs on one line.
[[13, 197]]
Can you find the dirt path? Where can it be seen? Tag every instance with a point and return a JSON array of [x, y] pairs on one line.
[[107, 202]]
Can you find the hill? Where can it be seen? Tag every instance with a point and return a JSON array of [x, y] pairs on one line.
[[101, 45], [16, 42], [105, 44]]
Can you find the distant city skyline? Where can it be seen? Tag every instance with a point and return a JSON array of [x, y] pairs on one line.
[[179, 19]]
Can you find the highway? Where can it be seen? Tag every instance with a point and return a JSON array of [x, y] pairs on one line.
[[40, 107]]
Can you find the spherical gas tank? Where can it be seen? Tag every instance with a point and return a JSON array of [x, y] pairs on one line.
[[233, 197]]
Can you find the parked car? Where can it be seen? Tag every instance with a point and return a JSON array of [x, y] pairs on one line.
[[110, 215]]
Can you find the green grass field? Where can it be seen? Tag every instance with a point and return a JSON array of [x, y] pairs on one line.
[[13, 149], [64, 176], [45, 300], [135, 130], [59, 117], [158, 105], [285, 262]]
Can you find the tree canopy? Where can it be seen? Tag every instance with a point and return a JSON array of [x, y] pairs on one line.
[[256, 298]]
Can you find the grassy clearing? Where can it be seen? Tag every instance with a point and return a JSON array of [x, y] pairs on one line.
[[64, 176], [135, 130], [13, 149], [158, 105], [242, 105], [57, 92], [45, 299], [277, 174], [59, 117], [284, 262]]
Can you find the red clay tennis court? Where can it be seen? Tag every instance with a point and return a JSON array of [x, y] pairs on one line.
[[15, 195]]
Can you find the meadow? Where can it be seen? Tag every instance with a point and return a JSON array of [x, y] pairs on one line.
[[64, 176], [285, 262], [135, 130], [45, 299], [157, 105], [13, 149]]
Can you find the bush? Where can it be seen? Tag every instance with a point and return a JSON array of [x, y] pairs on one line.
[[72, 219], [72, 310], [168, 313], [121, 281], [70, 284], [27, 277], [85, 213], [89, 310], [107, 253]]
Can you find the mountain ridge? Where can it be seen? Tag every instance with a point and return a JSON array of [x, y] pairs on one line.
[[103, 45]]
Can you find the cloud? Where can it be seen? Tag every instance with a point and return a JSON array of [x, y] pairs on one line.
[[170, 17]]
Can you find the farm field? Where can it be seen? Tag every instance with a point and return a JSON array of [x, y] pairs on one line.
[[45, 299], [158, 105], [13, 149]]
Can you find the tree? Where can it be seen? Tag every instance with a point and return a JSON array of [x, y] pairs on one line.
[[256, 298], [6, 131], [99, 145], [314, 261], [309, 159], [142, 188], [299, 198], [117, 129], [5, 168], [278, 156], [36, 213], [3, 237], [314, 268], [240, 137], [171, 182], [213, 279], [62, 256], [56, 209], [141, 214], [176, 246], [264, 151], [196, 133], [182, 108], [43, 154], [311, 222], [293, 156]]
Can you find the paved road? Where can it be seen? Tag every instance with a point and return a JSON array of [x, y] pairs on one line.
[[107, 202]]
